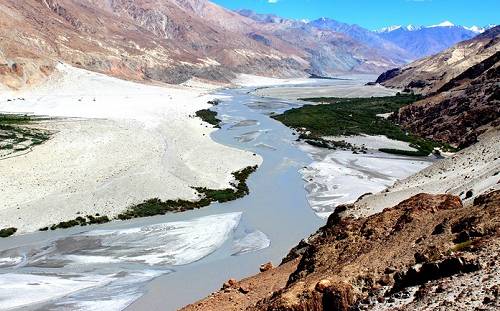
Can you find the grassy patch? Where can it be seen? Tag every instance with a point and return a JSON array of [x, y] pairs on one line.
[[408, 153], [7, 232], [353, 116], [464, 246], [16, 135], [78, 221], [209, 116], [156, 206]]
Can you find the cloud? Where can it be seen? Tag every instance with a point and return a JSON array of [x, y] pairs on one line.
[[272, 1]]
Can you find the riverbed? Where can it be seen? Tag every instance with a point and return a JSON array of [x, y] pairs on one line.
[[165, 262]]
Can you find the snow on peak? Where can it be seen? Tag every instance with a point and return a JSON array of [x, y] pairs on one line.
[[412, 27], [389, 29], [475, 29], [443, 24]]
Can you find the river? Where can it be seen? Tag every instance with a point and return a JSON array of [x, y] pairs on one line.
[[165, 262]]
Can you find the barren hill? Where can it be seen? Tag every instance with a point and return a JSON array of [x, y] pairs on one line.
[[167, 41], [460, 87]]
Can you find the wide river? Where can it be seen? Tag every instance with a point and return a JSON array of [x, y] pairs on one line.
[[165, 262]]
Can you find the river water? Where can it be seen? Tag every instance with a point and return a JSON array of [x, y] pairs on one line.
[[165, 262]]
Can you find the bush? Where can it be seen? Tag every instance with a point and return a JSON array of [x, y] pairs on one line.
[[410, 153], [156, 206], [208, 116], [354, 116], [7, 232]]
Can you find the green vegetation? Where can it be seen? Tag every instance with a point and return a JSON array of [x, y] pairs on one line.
[[209, 116], [214, 102], [78, 221], [7, 232], [16, 135], [156, 206], [464, 246], [409, 153], [353, 116]]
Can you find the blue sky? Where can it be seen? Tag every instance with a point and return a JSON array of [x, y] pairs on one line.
[[374, 14]]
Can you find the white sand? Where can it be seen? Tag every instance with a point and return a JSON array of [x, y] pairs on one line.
[[130, 142], [333, 88], [341, 177], [373, 142], [476, 168], [258, 81]]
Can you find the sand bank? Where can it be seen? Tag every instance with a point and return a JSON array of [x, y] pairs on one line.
[[351, 87], [118, 143], [341, 177], [474, 170]]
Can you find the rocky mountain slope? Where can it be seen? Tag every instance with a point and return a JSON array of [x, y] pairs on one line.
[[168, 41], [429, 250], [429, 74], [364, 36], [460, 87]]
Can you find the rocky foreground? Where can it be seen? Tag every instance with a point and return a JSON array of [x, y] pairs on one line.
[[429, 251]]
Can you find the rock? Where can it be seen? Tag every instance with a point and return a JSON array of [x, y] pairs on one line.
[[244, 289], [229, 283], [322, 285], [266, 267], [385, 280], [434, 271], [389, 270], [441, 288], [469, 194], [439, 229]]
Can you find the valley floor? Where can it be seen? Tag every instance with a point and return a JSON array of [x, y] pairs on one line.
[[108, 152]]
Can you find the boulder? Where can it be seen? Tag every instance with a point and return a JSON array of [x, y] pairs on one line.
[[322, 285], [266, 267]]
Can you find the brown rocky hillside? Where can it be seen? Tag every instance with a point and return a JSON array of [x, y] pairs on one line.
[[428, 251], [167, 41], [460, 88]]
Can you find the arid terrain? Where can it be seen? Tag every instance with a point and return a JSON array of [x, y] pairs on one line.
[[460, 87], [130, 128], [408, 257], [429, 241]]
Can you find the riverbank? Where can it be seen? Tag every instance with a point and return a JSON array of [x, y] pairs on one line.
[[193, 252], [108, 152], [345, 87]]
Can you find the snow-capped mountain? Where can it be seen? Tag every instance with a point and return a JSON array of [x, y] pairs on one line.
[[396, 27], [422, 41], [474, 28]]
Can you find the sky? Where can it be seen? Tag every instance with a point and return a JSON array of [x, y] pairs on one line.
[[375, 14]]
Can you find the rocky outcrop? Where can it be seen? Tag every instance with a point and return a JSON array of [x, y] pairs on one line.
[[397, 256], [439, 69], [462, 109], [460, 86]]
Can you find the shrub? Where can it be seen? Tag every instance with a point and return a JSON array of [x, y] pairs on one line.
[[7, 232]]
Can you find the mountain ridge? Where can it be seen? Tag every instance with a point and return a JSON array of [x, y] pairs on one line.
[[168, 41]]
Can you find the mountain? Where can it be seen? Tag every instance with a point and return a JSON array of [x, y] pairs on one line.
[[169, 41], [329, 51], [162, 40], [460, 85], [422, 41], [364, 36]]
